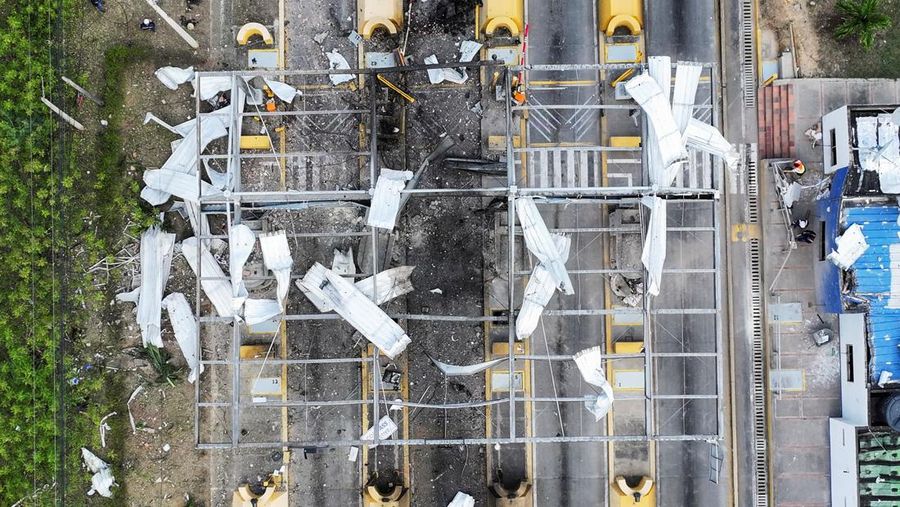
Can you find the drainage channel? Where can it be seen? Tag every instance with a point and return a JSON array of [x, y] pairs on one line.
[[757, 348], [748, 75]]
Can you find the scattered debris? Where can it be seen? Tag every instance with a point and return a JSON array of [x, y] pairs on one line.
[[353, 454], [156, 262], [186, 332], [241, 241], [343, 263], [323, 285], [277, 258], [103, 479], [885, 378], [174, 24], [541, 287], [337, 61], [468, 49], [354, 38], [320, 37], [708, 139], [850, 246], [386, 429], [104, 428], [462, 500], [214, 284], [540, 243], [436, 291], [653, 255], [477, 109], [451, 370], [477, 165], [386, 200], [171, 77], [589, 362], [131, 398]]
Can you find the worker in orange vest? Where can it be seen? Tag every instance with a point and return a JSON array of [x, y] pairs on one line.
[[798, 168]]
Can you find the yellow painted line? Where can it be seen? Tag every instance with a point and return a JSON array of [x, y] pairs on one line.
[[575, 82], [560, 145], [744, 232]]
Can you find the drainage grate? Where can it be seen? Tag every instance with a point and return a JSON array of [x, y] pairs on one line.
[[748, 75], [752, 184], [757, 348]]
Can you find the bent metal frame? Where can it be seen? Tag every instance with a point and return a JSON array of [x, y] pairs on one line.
[[236, 204]]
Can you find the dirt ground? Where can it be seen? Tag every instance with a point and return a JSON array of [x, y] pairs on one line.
[[819, 53], [160, 463]]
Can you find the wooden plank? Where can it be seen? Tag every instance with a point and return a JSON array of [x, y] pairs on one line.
[[68, 119], [82, 91]]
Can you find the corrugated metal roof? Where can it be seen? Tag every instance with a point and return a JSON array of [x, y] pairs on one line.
[[873, 282]]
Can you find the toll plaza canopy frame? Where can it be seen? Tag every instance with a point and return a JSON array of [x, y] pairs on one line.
[[304, 378]]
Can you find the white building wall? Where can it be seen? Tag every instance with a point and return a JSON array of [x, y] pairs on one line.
[[854, 393], [844, 468], [836, 140]]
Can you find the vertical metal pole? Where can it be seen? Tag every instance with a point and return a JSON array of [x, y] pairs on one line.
[[197, 287], [511, 260], [373, 161], [720, 382]]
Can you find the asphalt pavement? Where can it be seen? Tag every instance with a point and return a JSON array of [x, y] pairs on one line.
[[682, 29]]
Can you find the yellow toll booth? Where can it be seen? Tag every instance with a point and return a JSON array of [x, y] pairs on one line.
[[616, 14]]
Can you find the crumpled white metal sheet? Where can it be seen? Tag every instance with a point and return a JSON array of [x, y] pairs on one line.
[[850, 247], [590, 364], [322, 284], [171, 77], [665, 134], [186, 332], [653, 255], [277, 257], [540, 289], [540, 243], [386, 200], [219, 290], [156, 262], [707, 138]]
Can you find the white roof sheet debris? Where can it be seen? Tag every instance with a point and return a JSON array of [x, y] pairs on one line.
[[179, 184], [590, 364], [468, 49], [186, 332], [281, 90], [540, 289], [103, 479], [850, 246], [666, 136], [389, 284], [706, 138], [359, 311], [386, 199], [156, 262], [277, 257], [462, 500], [218, 291], [171, 77], [210, 86], [654, 254], [184, 156], [660, 69], [437, 76], [343, 263], [452, 370], [687, 77], [241, 241], [257, 311], [337, 61], [386, 429], [181, 129], [199, 221], [541, 243], [879, 149]]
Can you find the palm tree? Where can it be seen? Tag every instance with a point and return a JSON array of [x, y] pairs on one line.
[[862, 19]]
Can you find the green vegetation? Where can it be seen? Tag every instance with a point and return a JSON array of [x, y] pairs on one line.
[[862, 19], [159, 360], [66, 201]]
